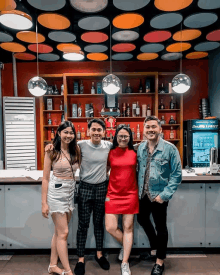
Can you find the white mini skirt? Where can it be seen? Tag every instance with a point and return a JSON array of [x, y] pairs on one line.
[[60, 195]]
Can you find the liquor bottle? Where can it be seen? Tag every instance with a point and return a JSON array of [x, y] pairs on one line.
[[74, 110], [118, 110], [76, 87], [62, 90], [91, 110], [128, 89], [140, 90], [134, 109], [79, 110], [133, 133], [162, 89], [124, 110], [83, 134], [172, 120], [103, 109], [81, 88], [49, 104], [49, 120], [162, 121], [62, 117], [128, 111], [93, 89], [52, 134], [172, 103], [147, 86], [55, 92], [78, 134], [161, 106], [148, 110], [61, 105], [99, 88], [171, 133], [138, 132], [137, 109]]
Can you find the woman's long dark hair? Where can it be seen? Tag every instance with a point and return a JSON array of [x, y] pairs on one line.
[[115, 142], [73, 147]]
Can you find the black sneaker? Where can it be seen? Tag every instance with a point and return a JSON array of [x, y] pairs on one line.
[[157, 269], [147, 257], [79, 268], [104, 264]]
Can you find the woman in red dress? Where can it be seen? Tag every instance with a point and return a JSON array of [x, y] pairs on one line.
[[122, 194]]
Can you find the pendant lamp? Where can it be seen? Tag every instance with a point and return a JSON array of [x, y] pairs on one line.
[[74, 54]]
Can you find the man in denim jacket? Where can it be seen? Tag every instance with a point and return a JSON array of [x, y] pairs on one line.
[[159, 174]]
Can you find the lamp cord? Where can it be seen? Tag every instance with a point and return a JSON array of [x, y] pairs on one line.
[[110, 49], [181, 48], [37, 50]]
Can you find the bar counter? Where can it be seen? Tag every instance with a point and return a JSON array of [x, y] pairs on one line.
[[193, 214]]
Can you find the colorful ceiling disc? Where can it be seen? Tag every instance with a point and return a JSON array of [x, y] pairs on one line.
[[47, 5], [212, 36], [49, 56], [68, 47], [123, 47], [152, 48], [125, 35], [25, 56], [96, 48], [62, 36], [157, 36], [13, 47], [178, 47], [93, 23], [186, 35], [209, 5], [53, 21], [147, 56], [88, 5], [171, 5], [206, 46], [130, 5], [7, 5], [200, 20], [97, 56], [122, 56], [30, 37], [166, 20], [196, 55], [94, 37], [5, 37], [42, 48], [128, 21], [171, 56]]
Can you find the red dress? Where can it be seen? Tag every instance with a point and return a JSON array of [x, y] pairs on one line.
[[122, 194]]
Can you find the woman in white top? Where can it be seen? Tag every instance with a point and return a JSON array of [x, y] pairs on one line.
[[58, 191]]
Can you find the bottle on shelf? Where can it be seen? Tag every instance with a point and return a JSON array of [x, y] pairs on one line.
[[172, 103], [133, 133], [162, 121], [74, 110], [118, 110], [162, 89], [91, 110], [172, 120], [83, 133], [161, 106], [128, 110], [49, 122], [49, 104], [61, 105], [62, 90], [103, 109], [93, 88], [75, 87], [78, 134], [62, 117], [137, 109], [99, 88], [171, 133], [79, 110], [144, 110], [138, 132], [128, 89], [148, 110], [124, 110], [134, 109], [147, 86], [140, 90], [52, 134], [55, 91], [81, 88]]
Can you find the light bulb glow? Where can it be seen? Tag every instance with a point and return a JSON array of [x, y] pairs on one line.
[[181, 83], [17, 21], [111, 84], [37, 86], [74, 56]]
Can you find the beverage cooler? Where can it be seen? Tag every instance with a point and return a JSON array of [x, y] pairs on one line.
[[199, 136]]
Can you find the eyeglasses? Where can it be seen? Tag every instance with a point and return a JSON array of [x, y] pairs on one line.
[[123, 137]]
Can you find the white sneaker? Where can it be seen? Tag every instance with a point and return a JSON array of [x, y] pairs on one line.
[[125, 270], [121, 254]]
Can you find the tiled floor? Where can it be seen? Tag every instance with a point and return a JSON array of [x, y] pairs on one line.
[[37, 265]]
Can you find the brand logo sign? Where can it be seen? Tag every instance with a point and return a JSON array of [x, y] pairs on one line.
[[205, 124]]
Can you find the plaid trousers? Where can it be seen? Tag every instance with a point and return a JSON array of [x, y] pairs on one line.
[[91, 199]]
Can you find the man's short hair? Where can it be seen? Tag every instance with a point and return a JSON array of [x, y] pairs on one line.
[[96, 120], [149, 118]]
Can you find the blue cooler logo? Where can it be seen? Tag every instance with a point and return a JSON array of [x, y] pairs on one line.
[[205, 124]]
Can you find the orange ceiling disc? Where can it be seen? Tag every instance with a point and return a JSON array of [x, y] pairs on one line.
[[30, 37], [7, 5], [25, 56], [53, 21], [42, 48], [13, 47], [68, 47], [196, 55], [186, 35], [123, 47], [177, 47], [172, 5], [94, 37], [147, 56], [97, 56], [128, 21]]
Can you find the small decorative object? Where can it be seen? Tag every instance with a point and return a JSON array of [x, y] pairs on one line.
[[49, 90], [55, 90], [110, 124]]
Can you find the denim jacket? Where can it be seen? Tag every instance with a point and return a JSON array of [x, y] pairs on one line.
[[165, 170]]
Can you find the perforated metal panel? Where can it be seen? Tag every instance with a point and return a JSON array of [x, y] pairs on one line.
[[19, 132]]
